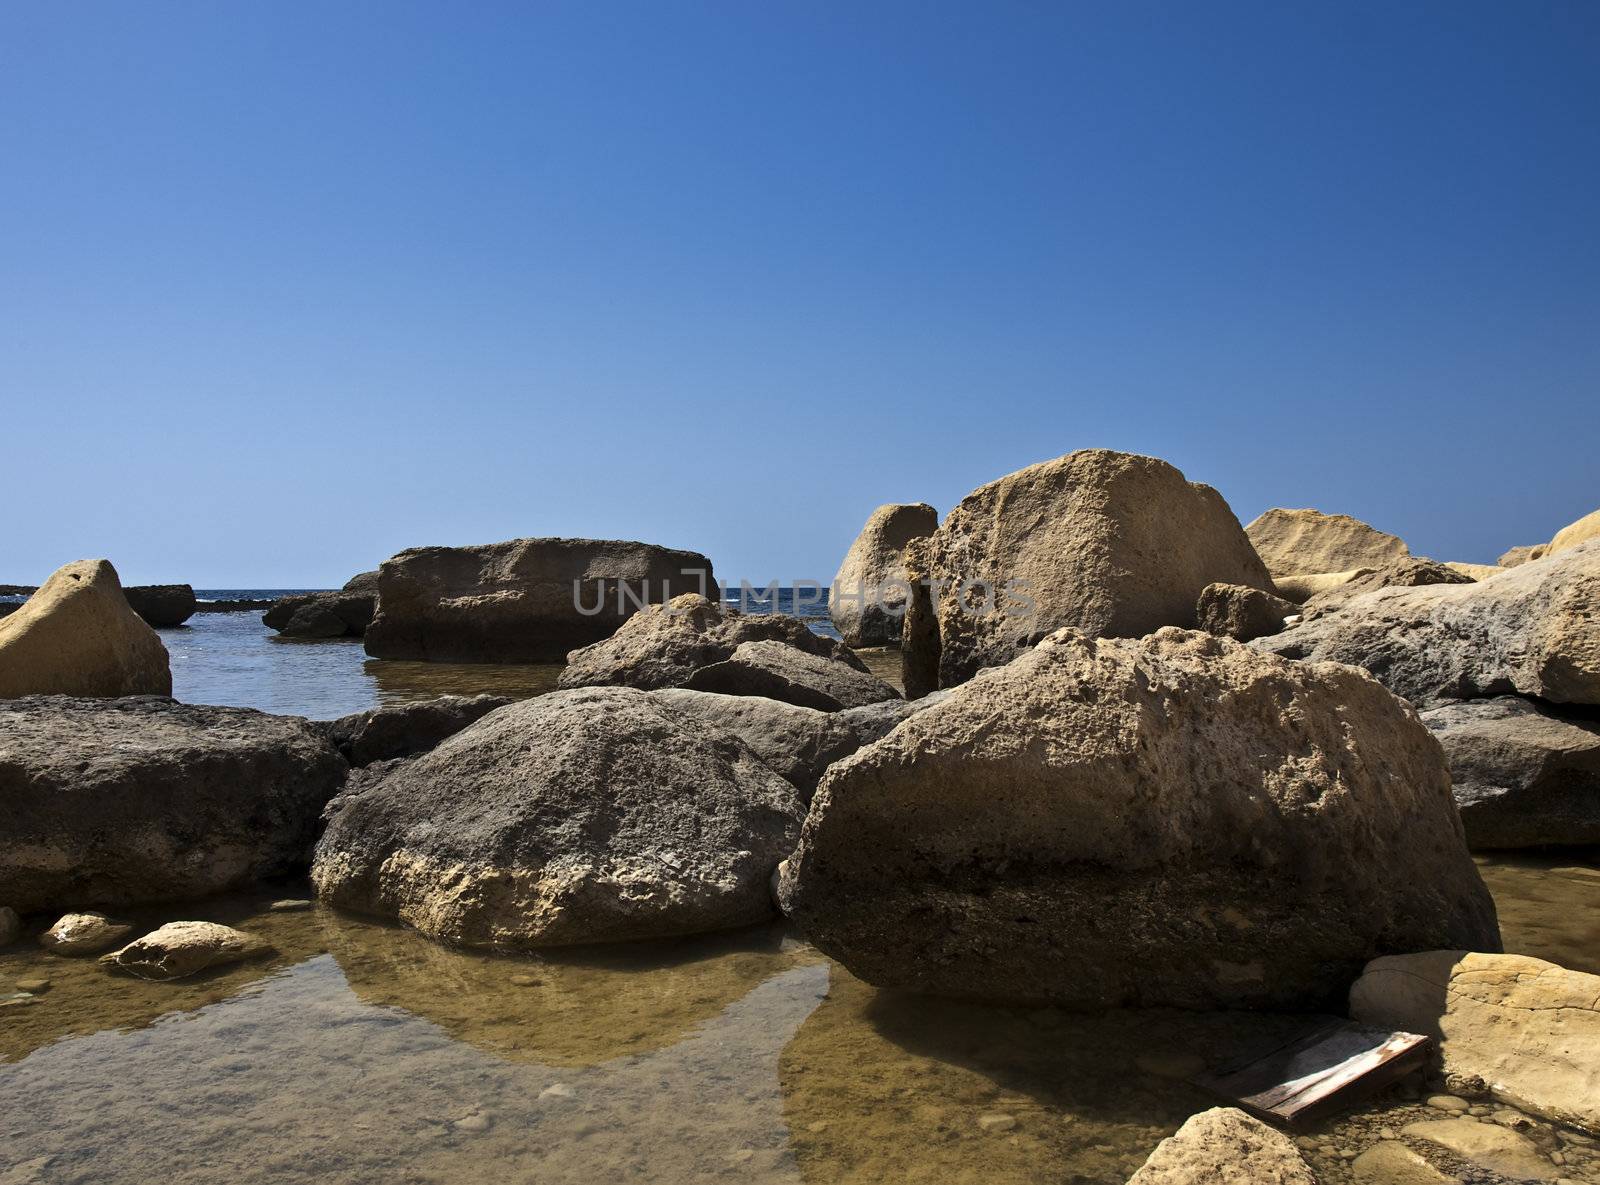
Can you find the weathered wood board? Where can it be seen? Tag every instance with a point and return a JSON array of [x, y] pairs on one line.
[[1327, 1068]]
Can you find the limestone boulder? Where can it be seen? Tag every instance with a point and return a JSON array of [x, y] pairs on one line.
[[1112, 544], [1290, 542], [1225, 1145], [1302, 587], [116, 801], [1241, 613], [1409, 572], [1524, 775], [526, 600], [1527, 1029], [663, 645], [779, 671], [405, 730], [78, 636], [1521, 555], [178, 950], [868, 599], [584, 816], [1474, 571], [161, 605], [1531, 630], [1584, 530], [1173, 820]]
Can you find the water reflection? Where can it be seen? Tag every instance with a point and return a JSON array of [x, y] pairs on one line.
[[401, 682]]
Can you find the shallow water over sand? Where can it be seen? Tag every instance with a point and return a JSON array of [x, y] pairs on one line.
[[362, 1052]]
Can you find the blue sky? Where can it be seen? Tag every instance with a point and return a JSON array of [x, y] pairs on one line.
[[285, 288]]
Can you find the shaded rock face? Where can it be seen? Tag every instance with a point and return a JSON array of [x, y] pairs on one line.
[[1527, 1029], [404, 730], [527, 600], [1225, 1144], [345, 613], [161, 605], [1524, 776], [1303, 587], [112, 802], [1234, 611], [1530, 630], [783, 672], [1290, 542], [594, 815], [868, 598], [1174, 820], [1113, 544], [663, 645], [78, 636], [1409, 572], [178, 950]]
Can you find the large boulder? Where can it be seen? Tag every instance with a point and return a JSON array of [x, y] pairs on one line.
[[1524, 1030], [783, 672], [1241, 613], [1290, 542], [1113, 544], [405, 730], [1407, 572], [1524, 777], [527, 600], [112, 802], [1585, 529], [342, 613], [663, 645], [1531, 630], [1225, 1145], [868, 598], [1173, 820], [594, 815], [78, 636], [161, 605]]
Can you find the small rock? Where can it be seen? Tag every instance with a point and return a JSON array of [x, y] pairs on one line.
[[83, 934], [525, 981], [477, 1122], [820, 1125], [997, 1122], [1392, 1163], [557, 1090], [33, 986], [1449, 1102], [289, 905], [181, 949]]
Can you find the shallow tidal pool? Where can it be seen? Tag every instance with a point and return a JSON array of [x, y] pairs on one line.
[[362, 1052]]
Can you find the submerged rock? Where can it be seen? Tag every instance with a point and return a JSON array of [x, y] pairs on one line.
[[111, 802], [594, 815], [1487, 1145], [161, 605], [1530, 630], [1527, 1029], [869, 593], [1291, 542], [1523, 776], [78, 636], [180, 949], [404, 730], [83, 934], [1224, 1144], [1175, 820], [1109, 543], [1241, 613], [663, 645], [783, 672], [526, 600]]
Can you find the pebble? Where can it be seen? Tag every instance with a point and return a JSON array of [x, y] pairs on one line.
[[1449, 1102], [997, 1122], [477, 1122], [525, 981], [289, 905], [33, 986], [820, 1125], [1388, 1133], [558, 1090]]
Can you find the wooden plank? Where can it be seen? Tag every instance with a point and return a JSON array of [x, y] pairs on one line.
[[1324, 1069]]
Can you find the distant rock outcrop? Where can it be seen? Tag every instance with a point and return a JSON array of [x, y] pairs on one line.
[[78, 636], [344, 613], [162, 605], [1292, 542], [526, 600], [869, 594]]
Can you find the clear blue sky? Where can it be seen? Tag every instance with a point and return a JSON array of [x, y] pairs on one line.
[[287, 287]]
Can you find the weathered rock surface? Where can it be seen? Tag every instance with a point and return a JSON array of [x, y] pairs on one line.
[[404, 730], [779, 671], [178, 950], [78, 636], [594, 815], [1291, 542], [1303, 587], [1496, 1148], [869, 593], [111, 802], [1409, 572], [526, 600], [1528, 1029], [1521, 555], [1109, 543], [1224, 1145], [1174, 820], [663, 645], [1390, 1162], [161, 605], [83, 934], [1530, 630], [1241, 613], [1584, 530], [1524, 777], [343, 613], [1474, 571]]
